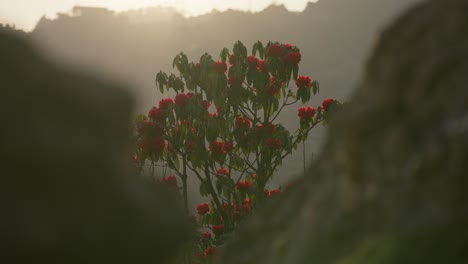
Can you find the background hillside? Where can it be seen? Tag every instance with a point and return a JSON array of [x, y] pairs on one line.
[[334, 36]]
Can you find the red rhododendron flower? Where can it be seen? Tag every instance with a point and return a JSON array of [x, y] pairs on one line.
[[171, 180], [274, 87], [252, 62], [165, 103], [273, 192], [303, 81], [242, 122], [217, 147], [246, 206], [243, 185], [228, 146], [147, 128], [326, 103], [181, 99], [202, 209], [293, 58], [275, 50], [262, 66], [287, 46], [274, 143], [206, 235], [156, 145], [306, 113], [231, 59], [268, 130], [156, 114], [217, 229], [210, 251], [219, 66], [222, 171]]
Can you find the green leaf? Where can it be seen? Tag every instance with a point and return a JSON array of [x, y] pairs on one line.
[[224, 54], [295, 69], [258, 46], [240, 50], [315, 87], [161, 80]]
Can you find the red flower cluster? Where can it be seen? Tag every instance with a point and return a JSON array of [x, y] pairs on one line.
[[165, 103], [182, 99], [270, 193], [171, 180], [243, 185], [155, 145], [243, 122], [149, 129], [292, 58], [228, 146], [275, 50], [217, 229], [219, 66], [303, 81], [252, 62], [306, 113], [221, 147], [262, 66], [246, 207], [206, 235], [268, 130], [274, 143], [231, 59], [274, 87], [326, 103], [156, 114], [203, 209], [238, 210], [287, 46], [222, 171]]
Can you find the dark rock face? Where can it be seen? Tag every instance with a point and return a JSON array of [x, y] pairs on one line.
[[390, 185], [67, 193]]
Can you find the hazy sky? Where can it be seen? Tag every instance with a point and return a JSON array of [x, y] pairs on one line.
[[25, 13]]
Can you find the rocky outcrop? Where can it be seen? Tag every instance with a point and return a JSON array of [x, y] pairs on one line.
[[67, 193], [390, 184]]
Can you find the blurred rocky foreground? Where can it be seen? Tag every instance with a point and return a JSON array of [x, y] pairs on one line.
[[391, 183], [67, 193]]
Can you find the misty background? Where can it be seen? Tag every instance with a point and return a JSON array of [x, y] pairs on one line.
[[334, 36]]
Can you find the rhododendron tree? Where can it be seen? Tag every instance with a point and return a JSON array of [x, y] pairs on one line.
[[222, 127]]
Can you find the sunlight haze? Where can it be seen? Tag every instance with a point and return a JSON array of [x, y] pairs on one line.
[[24, 14]]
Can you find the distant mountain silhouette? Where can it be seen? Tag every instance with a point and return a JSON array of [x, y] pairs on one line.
[[334, 37]]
